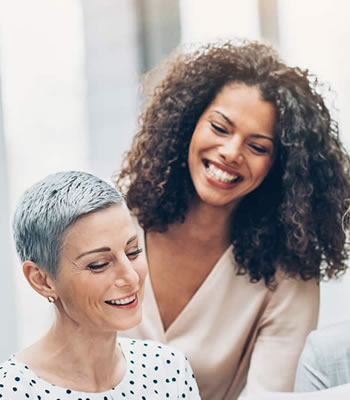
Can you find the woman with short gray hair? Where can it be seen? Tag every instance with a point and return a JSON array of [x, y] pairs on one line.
[[79, 249]]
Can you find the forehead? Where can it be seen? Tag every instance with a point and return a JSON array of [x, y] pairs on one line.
[[239, 92], [245, 106], [113, 226]]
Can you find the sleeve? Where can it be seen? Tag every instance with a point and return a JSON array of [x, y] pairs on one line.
[[291, 313], [309, 376]]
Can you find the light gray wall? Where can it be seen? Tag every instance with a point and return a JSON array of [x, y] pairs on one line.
[[268, 18], [123, 39], [111, 64], [8, 342], [159, 30]]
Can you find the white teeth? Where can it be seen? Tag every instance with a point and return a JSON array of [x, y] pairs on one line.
[[220, 175], [123, 301]]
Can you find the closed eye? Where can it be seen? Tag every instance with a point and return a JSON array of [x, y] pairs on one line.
[[218, 128], [258, 149], [97, 267], [134, 254]]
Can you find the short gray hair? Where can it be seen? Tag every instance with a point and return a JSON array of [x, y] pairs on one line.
[[49, 207]]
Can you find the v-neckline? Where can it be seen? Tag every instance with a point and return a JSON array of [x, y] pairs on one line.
[[167, 333]]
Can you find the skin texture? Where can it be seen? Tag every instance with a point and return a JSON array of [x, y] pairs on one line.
[[112, 269], [234, 134], [100, 261], [293, 220]]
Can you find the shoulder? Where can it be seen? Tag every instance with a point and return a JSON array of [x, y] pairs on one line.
[[325, 360], [338, 329], [296, 282], [295, 289], [333, 338], [11, 367], [295, 292], [292, 307], [15, 379]]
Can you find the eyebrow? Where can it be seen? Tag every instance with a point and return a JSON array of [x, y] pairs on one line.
[[99, 250], [103, 249], [231, 123]]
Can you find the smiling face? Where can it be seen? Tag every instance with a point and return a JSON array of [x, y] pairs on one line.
[[101, 273], [232, 147]]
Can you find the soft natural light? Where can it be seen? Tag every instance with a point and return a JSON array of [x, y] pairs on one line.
[[208, 19], [44, 94], [43, 84]]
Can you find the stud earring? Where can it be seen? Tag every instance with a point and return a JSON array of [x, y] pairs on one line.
[[50, 299]]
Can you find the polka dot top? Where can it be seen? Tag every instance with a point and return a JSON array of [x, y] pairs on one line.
[[154, 371]]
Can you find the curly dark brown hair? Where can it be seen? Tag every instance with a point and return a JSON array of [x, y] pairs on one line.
[[293, 220]]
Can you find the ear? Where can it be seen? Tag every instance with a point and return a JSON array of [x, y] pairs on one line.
[[39, 279]]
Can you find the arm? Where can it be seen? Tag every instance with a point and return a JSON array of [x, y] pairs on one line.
[[290, 315], [325, 361]]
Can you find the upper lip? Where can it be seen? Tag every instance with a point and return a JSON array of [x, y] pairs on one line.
[[225, 168], [124, 297]]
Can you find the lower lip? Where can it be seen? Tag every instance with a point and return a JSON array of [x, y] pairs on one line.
[[217, 183], [133, 304]]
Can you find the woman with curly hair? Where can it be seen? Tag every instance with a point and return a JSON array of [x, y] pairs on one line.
[[237, 179]]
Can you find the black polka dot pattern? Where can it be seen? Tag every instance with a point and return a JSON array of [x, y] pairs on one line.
[[154, 372]]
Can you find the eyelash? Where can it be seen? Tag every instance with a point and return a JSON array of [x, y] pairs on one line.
[[133, 255], [218, 128], [258, 149], [96, 267]]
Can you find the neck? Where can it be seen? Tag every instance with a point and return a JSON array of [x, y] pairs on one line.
[[81, 343], [206, 223], [72, 356]]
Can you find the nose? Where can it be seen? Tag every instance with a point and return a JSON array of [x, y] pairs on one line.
[[126, 275], [231, 150]]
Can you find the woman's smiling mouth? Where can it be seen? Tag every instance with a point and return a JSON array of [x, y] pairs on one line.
[[125, 301], [220, 175]]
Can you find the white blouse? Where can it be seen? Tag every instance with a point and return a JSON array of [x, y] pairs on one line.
[[154, 371]]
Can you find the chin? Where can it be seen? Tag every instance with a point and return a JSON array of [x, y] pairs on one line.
[[129, 324], [219, 201]]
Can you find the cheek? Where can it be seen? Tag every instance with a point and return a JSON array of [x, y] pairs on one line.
[[71, 294], [262, 169], [193, 146], [190, 153], [77, 289], [267, 168], [193, 160]]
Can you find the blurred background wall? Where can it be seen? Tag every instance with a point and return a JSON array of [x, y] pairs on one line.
[[69, 75]]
